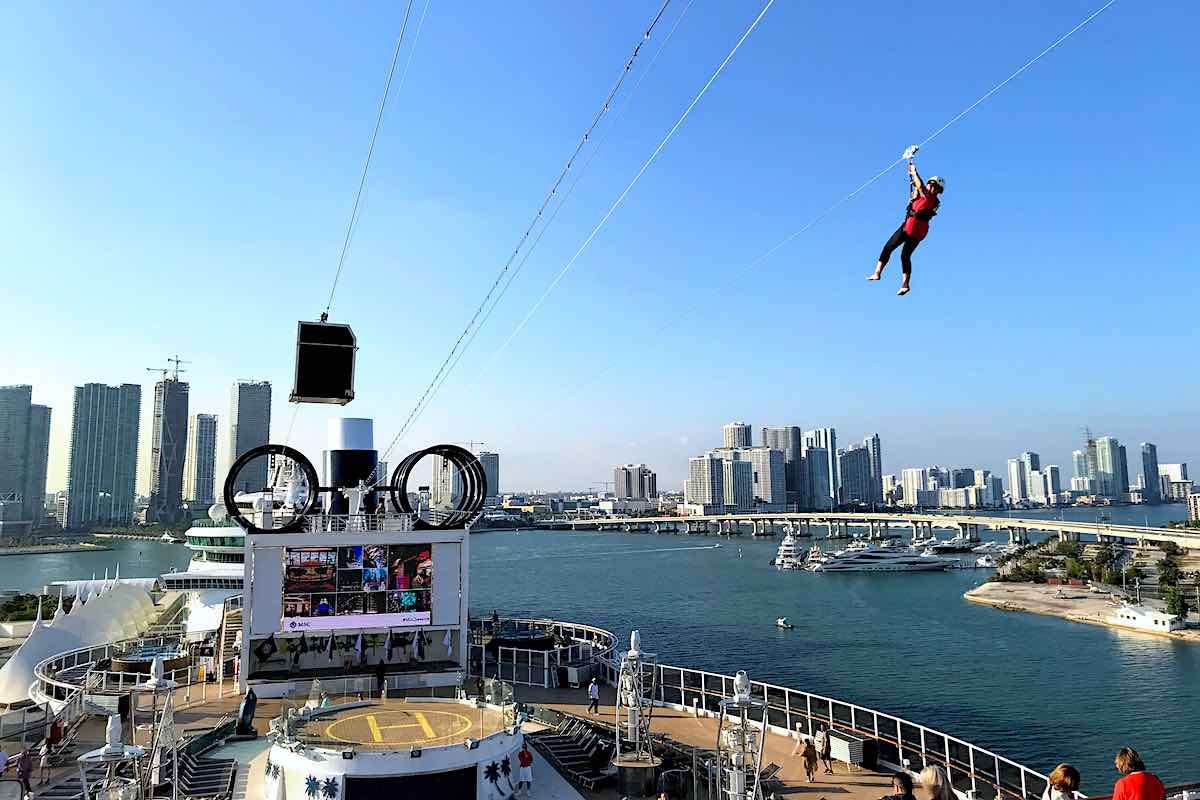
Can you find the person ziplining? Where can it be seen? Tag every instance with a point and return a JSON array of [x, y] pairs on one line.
[[922, 206]]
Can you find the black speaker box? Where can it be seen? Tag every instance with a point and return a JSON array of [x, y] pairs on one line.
[[324, 363]]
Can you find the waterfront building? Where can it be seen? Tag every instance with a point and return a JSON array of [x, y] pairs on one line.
[[249, 427], [994, 494], [1193, 507], [1112, 478], [1082, 484], [705, 485], [738, 434], [920, 487], [875, 453], [200, 462], [634, 482], [1080, 463], [491, 473], [24, 451], [857, 483], [168, 447], [446, 484], [816, 472], [102, 468], [768, 473], [1053, 477], [824, 439], [1035, 487], [893, 492], [1017, 492], [787, 440], [961, 477], [737, 477], [1173, 482]]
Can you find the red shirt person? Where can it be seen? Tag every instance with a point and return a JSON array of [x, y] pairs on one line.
[[1138, 784], [917, 225], [923, 204]]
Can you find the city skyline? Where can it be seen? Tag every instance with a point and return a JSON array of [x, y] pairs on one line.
[[672, 451], [267, 204]]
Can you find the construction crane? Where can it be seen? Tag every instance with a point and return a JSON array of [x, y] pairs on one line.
[[606, 484], [174, 369]]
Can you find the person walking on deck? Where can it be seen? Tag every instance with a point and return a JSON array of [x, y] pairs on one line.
[[824, 751], [594, 697]]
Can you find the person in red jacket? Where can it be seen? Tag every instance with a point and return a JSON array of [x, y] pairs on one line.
[[1138, 784], [921, 207]]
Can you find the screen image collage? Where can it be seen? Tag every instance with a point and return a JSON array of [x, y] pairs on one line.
[[359, 579]]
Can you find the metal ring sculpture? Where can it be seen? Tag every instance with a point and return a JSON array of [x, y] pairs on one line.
[[296, 522], [470, 501]]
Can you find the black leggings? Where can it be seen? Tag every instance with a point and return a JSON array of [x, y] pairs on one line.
[[900, 237]]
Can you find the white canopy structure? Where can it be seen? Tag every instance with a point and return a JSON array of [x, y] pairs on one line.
[[121, 610]]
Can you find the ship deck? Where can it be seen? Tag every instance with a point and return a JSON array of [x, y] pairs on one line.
[[398, 724]]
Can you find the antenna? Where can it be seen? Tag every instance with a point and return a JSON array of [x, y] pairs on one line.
[[174, 369]]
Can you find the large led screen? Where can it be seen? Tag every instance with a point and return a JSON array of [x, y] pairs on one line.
[[357, 586]]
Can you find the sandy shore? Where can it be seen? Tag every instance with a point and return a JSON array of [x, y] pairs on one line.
[[1078, 604]]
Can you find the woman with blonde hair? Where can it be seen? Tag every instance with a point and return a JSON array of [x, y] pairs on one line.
[[936, 784], [1062, 783], [1138, 783]]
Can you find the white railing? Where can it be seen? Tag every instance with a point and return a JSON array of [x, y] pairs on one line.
[[370, 523], [898, 741], [528, 667]]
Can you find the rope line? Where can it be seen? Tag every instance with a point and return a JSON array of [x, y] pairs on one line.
[[362, 181], [621, 198], [570, 190], [829, 210], [550, 196]]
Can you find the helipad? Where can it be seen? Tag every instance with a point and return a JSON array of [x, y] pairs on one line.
[[402, 725]]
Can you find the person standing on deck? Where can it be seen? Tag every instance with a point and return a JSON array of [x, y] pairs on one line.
[[824, 750], [1138, 783], [525, 774], [594, 697]]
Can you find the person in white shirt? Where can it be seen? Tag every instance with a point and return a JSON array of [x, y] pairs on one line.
[[594, 697]]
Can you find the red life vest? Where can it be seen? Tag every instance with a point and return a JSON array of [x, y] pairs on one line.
[[919, 212]]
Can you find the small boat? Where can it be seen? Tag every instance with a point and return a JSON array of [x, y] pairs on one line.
[[782, 622], [986, 561], [170, 538]]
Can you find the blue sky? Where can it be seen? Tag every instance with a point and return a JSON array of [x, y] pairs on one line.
[[178, 179]]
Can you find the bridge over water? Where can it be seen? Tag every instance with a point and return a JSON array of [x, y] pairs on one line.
[[883, 525]]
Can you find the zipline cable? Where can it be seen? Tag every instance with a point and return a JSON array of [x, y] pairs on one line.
[[550, 195], [821, 216], [570, 190], [621, 198], [362, 181]]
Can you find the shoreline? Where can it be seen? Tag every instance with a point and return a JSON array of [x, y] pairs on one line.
[[1078, 605], [39, 549]]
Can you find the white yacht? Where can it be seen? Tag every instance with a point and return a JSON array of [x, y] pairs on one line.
[[958, 544], [877, 558], [788, 556]]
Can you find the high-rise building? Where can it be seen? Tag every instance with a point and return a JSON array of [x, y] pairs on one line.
[[919, 487], [249, 427], [787, 439], [961, 477], [768, 471], [816, 463], [825, 439], [705, 484], [168, 448], [1079, 463], [737, 478], [893, 492], [1151, 489], [1053, 477], [1112, 479], [1017, 491], [24, 451], [102, 468], [875, 453], [200, 465], [855, 468], [446, 487], [1122, 471], [737, 434], [634, 482], [491, 473]]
